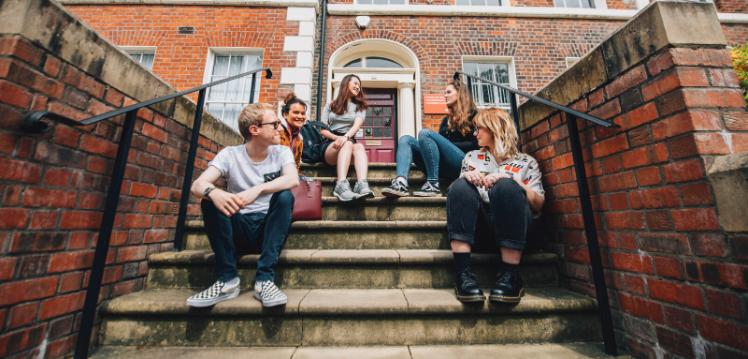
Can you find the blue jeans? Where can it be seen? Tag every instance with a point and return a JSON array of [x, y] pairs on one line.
[[432, 153], [263, 233]]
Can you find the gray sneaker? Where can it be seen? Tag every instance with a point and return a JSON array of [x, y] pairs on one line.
[[398, 188], [343, 191], [362, 189], [428, 190]]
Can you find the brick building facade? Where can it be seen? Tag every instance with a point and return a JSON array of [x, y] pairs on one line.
[[52, 187], [184, 40]]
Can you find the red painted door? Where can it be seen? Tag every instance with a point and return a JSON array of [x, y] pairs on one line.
[[379, 133]]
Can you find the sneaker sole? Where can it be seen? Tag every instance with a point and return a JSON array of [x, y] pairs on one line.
[[341, 199], [394, 194], [365, 196], [426, 194], [274, 303], [210, 303], [506, 299]]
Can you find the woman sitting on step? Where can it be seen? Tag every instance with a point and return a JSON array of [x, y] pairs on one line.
[[438, 154], [344, 117], [503, 186], [293, 118]]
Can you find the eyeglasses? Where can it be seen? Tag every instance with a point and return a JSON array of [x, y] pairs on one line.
[[275, 124]]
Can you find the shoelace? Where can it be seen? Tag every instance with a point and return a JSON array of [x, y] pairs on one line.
[[468, 278]]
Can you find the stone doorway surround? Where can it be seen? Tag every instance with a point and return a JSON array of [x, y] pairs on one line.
[[406, 79]]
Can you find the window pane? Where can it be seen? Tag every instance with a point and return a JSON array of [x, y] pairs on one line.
[[493, 2], [381, 62], [354, 63], [147, 60], [463, 2], [397, 2], [380, 2], [477, 2], [234, 88]]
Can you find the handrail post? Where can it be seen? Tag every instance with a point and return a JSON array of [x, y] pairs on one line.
[[105, 231], [188, 171], [601, 290], [252, 88], [515, 111]]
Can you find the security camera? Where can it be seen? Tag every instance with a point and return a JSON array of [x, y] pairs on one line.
[[362, 22]]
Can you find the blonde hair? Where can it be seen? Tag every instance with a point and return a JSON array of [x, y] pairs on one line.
[[501, 126], [459, 112], [252, 115]]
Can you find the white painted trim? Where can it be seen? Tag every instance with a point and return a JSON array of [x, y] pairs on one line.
[[257, 3], [727, 18], [212, 51], [143, 49], [392, 74]]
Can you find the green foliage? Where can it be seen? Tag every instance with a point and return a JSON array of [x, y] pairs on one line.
[[740, 63]]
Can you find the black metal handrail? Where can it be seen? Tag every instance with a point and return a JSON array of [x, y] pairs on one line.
[[34, 122], [590, 230]]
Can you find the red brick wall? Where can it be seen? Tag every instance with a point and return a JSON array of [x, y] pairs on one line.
[[736, 35], [52, 188], [731, 5], [677, 279], [180, 59], [537, 60]]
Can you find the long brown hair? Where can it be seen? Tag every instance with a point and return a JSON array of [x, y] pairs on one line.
[[340, 104], [460, 110], [503, 131]]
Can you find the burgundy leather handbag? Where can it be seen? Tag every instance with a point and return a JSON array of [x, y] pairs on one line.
[[307, 204]]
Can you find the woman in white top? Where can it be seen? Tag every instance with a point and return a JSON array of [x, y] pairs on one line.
[[503, 185], [344, 117]]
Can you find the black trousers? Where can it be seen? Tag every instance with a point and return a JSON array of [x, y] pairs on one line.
[[508, 215]]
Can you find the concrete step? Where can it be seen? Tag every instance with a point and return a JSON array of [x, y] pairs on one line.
[[386, 209], [376, 185], [509, 351], [350, 268], [348, 317], [376, 170], [349, 235]]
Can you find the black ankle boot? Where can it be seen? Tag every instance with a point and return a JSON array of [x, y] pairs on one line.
[[467, 289], [508, 288]]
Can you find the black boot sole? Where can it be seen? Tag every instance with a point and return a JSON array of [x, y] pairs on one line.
[[507, 299], [470, 298]]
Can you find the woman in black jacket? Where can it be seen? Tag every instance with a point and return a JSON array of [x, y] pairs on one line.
[[438, 154]]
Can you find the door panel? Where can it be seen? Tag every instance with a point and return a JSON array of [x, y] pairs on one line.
[[379, 130]]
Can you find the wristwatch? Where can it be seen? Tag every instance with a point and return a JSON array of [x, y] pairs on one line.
[[207, 191]]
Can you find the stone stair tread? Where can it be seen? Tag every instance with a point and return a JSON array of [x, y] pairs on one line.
[[386, 200], [540, 351], [375, 180], [335, 302], [331, 224], [345, 256]]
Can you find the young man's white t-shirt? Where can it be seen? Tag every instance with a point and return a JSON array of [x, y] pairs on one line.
[[241, 173]]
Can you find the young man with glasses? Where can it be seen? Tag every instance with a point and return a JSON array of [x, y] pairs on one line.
[[254, 212]]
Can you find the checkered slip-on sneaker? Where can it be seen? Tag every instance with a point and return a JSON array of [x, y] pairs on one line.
[[269, 294], [218, 292]]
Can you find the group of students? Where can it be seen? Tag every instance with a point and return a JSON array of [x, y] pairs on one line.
[[493, 186]]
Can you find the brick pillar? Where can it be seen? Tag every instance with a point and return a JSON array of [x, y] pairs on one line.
[[669, 185]]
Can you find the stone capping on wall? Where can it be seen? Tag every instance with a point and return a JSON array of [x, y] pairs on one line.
[[263, 3], [729, 177], [79, 45], [659, 25]]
